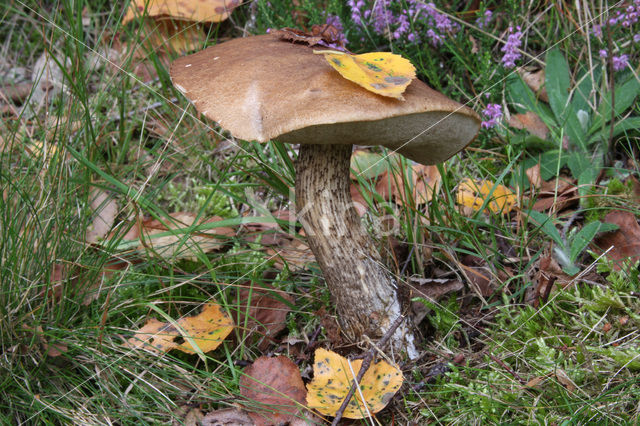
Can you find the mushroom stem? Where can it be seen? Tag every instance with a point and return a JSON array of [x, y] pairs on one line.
[[364, 291]]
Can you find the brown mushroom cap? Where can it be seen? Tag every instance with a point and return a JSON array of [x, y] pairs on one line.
[[262, 88]]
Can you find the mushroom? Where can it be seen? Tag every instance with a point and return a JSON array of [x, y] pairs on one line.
[[262, 88]]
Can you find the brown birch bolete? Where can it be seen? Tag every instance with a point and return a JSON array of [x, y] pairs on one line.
[[262, 88]]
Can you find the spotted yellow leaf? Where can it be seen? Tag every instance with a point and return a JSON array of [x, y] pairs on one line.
[[205, 330], [384, 73], [332, 378], [473, 194]]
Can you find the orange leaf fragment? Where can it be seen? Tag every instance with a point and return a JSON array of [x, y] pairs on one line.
[[207, 330], [473, 195], [332, 378]]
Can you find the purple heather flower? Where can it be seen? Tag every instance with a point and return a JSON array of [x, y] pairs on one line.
[[603, 53], [510, 49], [620, 62], [484, 20], [597, 31], [636, 38], [493, 114]]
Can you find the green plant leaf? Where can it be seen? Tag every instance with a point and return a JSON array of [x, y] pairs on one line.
[[547, 226], [583, 238], [630, 123], [551, 162], [557, 82], [625, 94], [523, 99]]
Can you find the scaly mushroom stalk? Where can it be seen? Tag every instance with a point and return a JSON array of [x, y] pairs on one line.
[[362, 288]]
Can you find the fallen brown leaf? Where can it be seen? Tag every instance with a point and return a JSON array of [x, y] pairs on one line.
[[263, 311], [105, 211], [227, 417], [180, 245], [274, 391], [535, 80], [624, 242], [531, 122]]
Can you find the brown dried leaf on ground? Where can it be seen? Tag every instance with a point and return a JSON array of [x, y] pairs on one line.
[[105, 211], [262, 311], [531, 122], [423, 181], [625, 241], [178, 244], [187, 416], [558, 193], [534, 78], [207, 330], [52, 349], [432, 289], [227, 417], [192, 10], [274, 391]]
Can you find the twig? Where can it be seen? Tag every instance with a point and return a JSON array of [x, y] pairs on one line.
[[366, 363], [509, 370]]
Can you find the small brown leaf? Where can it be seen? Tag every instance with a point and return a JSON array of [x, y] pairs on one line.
[[227, 417], [263, 310], [178, 244], [565, 380], [105, 209], [531, 122], [276, 385], [624, 242], [535, 81]]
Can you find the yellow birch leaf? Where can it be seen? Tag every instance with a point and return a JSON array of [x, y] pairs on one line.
[[384, 73], [473, 194], [207, 330], [193, 10], [332, 378]]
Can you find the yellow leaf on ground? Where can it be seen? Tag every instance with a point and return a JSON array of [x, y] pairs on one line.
[[384, 73], [332, 378], [193, 10], [473, 194], [207, 330]]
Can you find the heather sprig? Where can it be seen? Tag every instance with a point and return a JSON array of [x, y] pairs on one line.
[[511, 48], [492, 114]]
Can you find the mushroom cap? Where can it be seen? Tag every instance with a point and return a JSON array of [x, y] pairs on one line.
[[262, 88]]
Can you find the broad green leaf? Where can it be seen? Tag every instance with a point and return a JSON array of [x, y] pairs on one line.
[[523, 99], [625, 94], [583, 238], [551, 162], [547, 226], [625, 125], [581, 95], [557, 82]]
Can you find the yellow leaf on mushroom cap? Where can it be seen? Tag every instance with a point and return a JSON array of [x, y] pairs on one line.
[[384, 73], [332, 378], [207, 330]]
